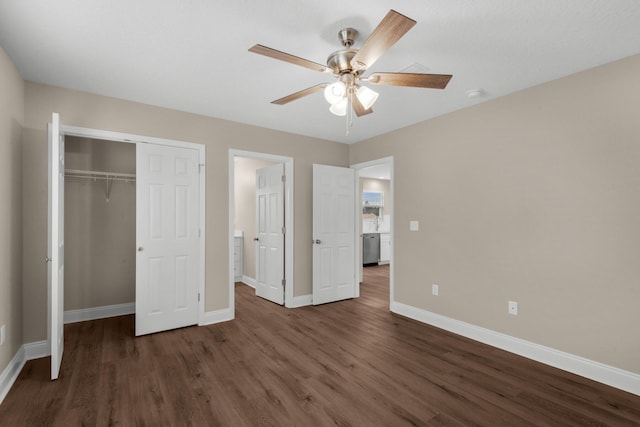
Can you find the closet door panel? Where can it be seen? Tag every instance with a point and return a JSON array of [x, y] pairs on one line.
[[167, 220]]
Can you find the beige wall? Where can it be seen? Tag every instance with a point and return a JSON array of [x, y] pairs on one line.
[[245, 208], [11, 120], [218, 136], [532, 197], [100, 234]]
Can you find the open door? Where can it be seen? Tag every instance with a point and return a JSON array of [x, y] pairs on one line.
[[168, 236], [270, 230], [55, 247], [333, 234]]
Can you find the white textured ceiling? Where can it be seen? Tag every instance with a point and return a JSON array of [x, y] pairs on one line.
[[191, 55]]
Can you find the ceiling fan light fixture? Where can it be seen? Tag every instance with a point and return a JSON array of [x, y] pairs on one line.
[[366, 96], [335, 92], [339, 108]]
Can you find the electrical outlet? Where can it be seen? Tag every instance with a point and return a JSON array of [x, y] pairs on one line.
[[434, 289], [513, 308], [414, 225], [2, 334]]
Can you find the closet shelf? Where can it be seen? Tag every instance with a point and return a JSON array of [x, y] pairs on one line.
[[115, 176], [109, 177]]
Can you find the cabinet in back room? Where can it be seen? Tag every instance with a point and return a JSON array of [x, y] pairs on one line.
[[385, 248]]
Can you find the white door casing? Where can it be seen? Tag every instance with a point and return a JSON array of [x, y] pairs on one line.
[[270, 233], [167, 234], [334, 230], [55, 250]]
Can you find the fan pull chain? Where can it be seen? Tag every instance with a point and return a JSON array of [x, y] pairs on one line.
[[349, 116]]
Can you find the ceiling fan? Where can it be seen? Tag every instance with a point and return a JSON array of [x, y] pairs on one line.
[[348, 65]]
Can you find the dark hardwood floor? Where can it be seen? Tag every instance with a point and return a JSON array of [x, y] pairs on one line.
[[347, 363]]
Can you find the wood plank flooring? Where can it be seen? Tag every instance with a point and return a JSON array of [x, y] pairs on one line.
[[350, 363]]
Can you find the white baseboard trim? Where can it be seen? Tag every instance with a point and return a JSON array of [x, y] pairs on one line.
[[301, 301], [218, 316], [609, 375], [36, 350], [11, 372], [93, 313], [249, 281]]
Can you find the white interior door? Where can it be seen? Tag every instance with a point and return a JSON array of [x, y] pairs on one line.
[[333, 234], [55, 250], [270, 230], [167, 232]]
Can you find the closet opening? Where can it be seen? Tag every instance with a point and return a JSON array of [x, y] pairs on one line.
[[99, 229]]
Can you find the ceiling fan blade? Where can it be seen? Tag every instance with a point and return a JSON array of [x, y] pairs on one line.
[[276, 54], [432, 81], [300, 94], [358, 107], [392, 27]]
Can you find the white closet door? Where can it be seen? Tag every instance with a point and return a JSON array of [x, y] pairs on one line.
[[167, 232], [55, 251]]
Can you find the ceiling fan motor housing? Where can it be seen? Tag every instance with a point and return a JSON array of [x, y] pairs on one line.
[[340, 61]]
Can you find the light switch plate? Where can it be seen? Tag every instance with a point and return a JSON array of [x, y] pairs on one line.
[[2, 334], [414, 225]]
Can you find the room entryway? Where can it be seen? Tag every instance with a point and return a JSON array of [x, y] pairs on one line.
[[375, 219], [261, 225]]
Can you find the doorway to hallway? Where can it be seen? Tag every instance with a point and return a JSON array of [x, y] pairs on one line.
[[374, 221]]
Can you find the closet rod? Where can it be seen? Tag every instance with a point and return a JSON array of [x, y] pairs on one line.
[[115, 176]]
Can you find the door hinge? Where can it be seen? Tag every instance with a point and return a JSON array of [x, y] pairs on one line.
[[284, 282], [284, 230], [284, 178], [199, 233], [200, 166], [198, 296]]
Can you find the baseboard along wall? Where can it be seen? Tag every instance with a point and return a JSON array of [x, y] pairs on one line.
[[93, 313], [609, 375]]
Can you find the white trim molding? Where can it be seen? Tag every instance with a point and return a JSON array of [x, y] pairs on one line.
[[11, 372], [249, 281], [217, 316], [596, 371], [36, 350], [301, 301], [93, 313], [26, 352]]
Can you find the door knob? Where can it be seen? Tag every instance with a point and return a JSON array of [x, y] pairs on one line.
[[318, 241], [47, 259], [140, 249], [255, 239]]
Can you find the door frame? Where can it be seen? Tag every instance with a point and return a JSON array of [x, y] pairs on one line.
[[390, 198], [288, 221], [140, 139]]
